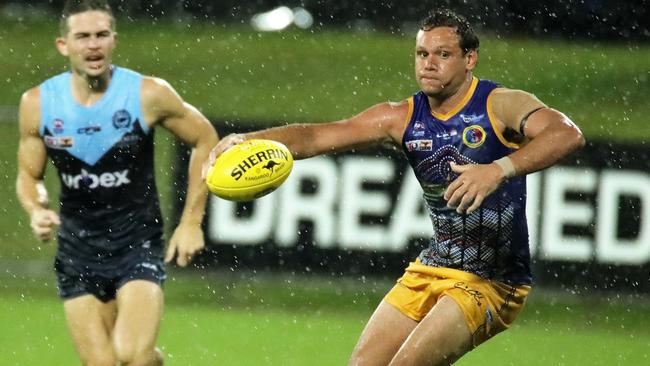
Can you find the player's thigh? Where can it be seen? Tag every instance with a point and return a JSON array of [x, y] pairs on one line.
[[442, 337], [382, 337], [140, 305], [91, 323]]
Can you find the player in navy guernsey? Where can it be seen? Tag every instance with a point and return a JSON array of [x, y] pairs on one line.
[[96, 124], [470, 142]]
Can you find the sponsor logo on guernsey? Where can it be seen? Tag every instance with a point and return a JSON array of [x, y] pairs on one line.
[[419, 145], [61, 142], [89, 130], [474, 136], [128, 140], [57, 125], [92, 181], [472, 118], [122, 119], [446, 135], [257, 158]]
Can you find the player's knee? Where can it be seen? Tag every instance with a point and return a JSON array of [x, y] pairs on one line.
[[101, 358], [129, 354], [359, 357]]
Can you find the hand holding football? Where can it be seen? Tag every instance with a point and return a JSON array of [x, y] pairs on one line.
[[249, 170]]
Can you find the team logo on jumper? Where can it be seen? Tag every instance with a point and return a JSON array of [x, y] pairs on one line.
[[92, 181], [121, 119], [57, 125], [419, 128], [472, 118], [89, 130], [474, 136], [419, 145], [61, 142]]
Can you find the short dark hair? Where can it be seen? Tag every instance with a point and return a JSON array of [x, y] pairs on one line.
[[73, 7], [447, 18]]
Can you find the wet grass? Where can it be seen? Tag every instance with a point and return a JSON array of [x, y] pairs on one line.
[[219, 318], [232, 73]]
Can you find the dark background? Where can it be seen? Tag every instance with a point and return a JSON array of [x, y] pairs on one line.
[[569, 19], [306, 257]]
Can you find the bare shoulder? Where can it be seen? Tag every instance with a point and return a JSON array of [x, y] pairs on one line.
[[30, 111], [391, 112], [398, 115], [156, 89], [31, 97], [159, 100], [510, 106], [512, 98], [400, 107], [383, 120]]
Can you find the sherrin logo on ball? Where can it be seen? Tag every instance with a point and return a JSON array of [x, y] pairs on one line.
[[250, 170]]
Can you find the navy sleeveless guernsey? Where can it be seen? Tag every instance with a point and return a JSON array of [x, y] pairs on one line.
[[491, 242], [104, 157]]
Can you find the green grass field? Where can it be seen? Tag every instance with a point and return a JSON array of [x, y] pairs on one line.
[[234, 74], [225, 318]]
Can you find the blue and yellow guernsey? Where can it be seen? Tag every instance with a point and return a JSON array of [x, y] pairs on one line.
[[492, 241], [104, 157]]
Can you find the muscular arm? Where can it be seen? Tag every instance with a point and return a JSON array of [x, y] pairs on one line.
[[549, 134], [163, 106], [381, 123], [32, 158]]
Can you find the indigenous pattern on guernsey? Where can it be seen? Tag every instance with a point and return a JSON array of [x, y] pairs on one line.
[[104, 157], [491, 242]]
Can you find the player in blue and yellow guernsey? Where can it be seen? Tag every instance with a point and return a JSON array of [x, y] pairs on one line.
[[470, 142], [96, 124]]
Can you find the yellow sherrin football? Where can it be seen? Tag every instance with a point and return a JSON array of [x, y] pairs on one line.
[[250, 170]]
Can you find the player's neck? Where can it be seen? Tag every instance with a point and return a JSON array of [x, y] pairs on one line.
[[444, 103], [88, 89]]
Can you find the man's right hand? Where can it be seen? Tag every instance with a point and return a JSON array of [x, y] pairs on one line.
[[44, 222], [223, 145]]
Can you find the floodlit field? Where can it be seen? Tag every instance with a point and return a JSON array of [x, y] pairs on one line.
[[231, 74], [249, 318]]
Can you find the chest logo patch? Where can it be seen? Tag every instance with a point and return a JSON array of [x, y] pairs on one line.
[[89, 130], [121, 119], [61, 142], [57, 125], [474, 136], [419, 145], [419, 128], [471, 118]]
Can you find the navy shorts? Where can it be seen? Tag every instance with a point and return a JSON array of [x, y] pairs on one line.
[[77, 277]]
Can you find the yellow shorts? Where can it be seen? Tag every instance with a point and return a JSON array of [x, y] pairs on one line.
[[489, 306]]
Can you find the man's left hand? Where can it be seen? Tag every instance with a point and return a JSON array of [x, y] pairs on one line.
[[186, 241]]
